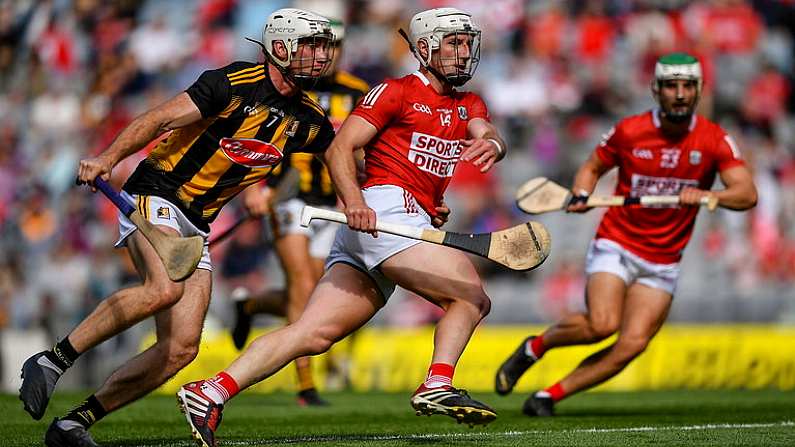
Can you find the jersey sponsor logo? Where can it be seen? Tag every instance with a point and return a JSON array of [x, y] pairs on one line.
[[670, 158], [645, 185], [462, 113], [422, 108], [645, 154], [434, 155], [695, 157], [251, 152], [369, 99], [445, 116]]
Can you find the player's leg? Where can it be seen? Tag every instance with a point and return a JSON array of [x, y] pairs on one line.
[[604, 297], [114, 314], [178, 331], [343, 301], [645, 310], [447, 278]]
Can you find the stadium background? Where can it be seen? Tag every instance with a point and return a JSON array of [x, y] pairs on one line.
[[555, 76]]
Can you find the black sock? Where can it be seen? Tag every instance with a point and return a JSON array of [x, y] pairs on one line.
[[63, 354], [87, 413]]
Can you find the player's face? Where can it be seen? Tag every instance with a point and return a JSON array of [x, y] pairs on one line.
[[455, 54], [313, 57], [678, 98]]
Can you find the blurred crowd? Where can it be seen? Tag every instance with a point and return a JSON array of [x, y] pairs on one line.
[[555, 75]]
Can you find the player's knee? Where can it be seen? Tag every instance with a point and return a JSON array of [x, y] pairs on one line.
[[632, 346], [322, 339], [162, 295], [602, 328], [483, 303]]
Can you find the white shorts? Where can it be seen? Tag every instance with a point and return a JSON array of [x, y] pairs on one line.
[[160, 211], [365, 252], [287, 220], [608, 256]]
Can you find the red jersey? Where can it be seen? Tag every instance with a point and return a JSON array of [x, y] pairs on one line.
[[650, 164], [417, 146]]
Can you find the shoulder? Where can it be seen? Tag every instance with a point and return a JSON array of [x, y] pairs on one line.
[[350, 82], [390, 90], [708, 127], [312, 107], [634, 124]]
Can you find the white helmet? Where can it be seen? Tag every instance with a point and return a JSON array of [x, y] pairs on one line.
[[289, 25], [433, 26]]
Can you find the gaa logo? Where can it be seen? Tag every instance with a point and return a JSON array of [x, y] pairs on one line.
[[251, 152], [422, 108]]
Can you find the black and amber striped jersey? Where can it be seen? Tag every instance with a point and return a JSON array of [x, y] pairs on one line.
[[198, 172], [337, 94]]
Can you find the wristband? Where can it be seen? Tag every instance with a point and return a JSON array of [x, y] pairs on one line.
[[500, 150]]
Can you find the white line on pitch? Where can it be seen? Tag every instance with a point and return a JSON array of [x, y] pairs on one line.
[[487, 435]]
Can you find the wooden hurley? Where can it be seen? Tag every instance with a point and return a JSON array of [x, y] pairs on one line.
[[523, 247], [180, 255], [541, 195]]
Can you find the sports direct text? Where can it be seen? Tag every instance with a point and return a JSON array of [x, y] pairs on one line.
[[644, 185], [435, 155]]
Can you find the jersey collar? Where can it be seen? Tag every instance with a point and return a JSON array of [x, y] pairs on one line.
[[422, 78], [655, 118]]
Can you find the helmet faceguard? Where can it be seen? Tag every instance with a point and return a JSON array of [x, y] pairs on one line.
[[308, 43], [434, 26], [677, 66]]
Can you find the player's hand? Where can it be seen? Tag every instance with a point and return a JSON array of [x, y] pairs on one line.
[[578, 203], [692, 196], [479, 152], [91, 168], [443, 217], [361, 218], [258, 201]]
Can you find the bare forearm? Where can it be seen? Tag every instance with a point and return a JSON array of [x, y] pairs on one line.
[[737, 197], [585, 179], [342, 167], [134, 137]]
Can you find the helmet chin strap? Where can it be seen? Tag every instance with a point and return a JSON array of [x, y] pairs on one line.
[[455, 81], [304, 83]]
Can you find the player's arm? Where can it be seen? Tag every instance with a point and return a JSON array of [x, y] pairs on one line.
[[355, 132], [484, 147], [585, 182], [177, 112], [740, 193]]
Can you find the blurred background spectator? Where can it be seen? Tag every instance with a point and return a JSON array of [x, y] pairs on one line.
[[556, 75]]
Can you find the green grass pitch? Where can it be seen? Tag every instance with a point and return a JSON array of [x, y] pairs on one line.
[[693, 418]]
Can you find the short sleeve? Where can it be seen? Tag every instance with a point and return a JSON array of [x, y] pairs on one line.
[[478, 109], [321, 140], [211, 92], [381, 104], [607, 150], [727, 154]]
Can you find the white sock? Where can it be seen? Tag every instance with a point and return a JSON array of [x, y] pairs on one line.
[[543, 394]]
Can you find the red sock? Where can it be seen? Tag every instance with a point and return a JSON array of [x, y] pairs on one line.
[[537, 346], [556, 392], [220, 388], [439, 374]]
